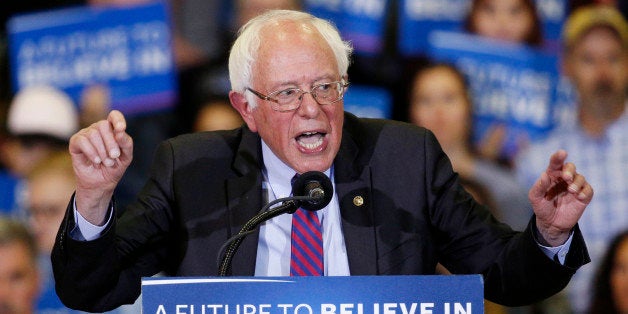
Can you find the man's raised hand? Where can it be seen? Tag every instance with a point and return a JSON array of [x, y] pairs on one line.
[[559, 198], [100, 154]]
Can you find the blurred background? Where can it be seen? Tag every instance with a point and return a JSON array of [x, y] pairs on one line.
[[486, 76]]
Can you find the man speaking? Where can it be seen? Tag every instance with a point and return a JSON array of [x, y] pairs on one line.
[[397, 205]]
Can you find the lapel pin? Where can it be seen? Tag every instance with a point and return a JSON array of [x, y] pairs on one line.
[[358, 201]]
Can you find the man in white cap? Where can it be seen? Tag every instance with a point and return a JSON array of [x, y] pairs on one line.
[[40, 121]]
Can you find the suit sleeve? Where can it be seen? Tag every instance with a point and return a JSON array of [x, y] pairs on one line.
[[515, 269], [104, 273]]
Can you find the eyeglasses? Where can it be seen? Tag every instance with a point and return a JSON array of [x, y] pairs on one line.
[[291, 98]]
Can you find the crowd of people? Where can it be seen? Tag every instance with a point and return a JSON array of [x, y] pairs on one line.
[[37, 177]]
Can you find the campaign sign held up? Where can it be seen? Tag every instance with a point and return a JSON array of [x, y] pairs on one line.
[[127, 49], [362, 22], [511, 85], [552, 14], [454, 294], [418, 18], [368, 101]]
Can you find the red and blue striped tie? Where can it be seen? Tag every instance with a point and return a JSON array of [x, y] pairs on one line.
[[307, 244]]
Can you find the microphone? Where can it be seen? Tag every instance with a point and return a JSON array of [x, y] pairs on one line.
[[311, 190], [316, 186]]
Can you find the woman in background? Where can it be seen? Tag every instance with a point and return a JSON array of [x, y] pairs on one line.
[[440, 102], [611, 284], [514, 21]]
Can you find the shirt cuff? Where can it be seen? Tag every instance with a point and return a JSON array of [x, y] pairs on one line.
[[557, 253], [86, 231]]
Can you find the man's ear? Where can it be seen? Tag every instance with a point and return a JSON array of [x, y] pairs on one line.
[[239, 102]]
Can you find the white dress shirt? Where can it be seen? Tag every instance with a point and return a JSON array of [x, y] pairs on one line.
[[273, 249]]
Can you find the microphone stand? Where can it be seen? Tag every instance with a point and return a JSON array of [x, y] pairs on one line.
[[288, 206]]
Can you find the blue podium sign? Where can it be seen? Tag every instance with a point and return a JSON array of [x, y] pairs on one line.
[[124, 48], [305, 295]]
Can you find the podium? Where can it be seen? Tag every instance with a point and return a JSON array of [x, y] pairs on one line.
[[428, 294]]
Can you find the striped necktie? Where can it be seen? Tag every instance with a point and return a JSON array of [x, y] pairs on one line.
[[307, 244]]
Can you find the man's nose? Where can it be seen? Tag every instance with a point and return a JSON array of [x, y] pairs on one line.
[[309, 106]]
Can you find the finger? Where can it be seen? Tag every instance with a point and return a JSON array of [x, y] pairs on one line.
[[577, 184], [107, 145], [586, 194], [125, 143], [82, 148], [117, 121], [540, 187], [118, 124], [557, 160], [568, 172], [492, 141], [95, 136]]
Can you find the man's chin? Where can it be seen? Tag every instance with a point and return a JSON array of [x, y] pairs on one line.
[[305, 165]]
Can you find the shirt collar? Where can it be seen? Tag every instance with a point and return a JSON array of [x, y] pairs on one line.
[[278, 174]]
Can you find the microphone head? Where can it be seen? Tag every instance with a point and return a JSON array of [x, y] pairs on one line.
[[317, 186]]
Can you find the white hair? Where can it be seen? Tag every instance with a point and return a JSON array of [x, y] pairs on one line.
[[244, 50]]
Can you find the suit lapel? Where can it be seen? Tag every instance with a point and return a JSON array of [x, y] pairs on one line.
[[354, 195], [245, 200], [352, 179]]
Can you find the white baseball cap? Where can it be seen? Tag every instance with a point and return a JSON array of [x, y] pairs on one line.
[[42, 110]]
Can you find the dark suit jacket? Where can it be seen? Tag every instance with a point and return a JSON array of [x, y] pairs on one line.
[[205, 186]]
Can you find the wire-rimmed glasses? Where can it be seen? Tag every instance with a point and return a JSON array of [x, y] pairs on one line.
[[291, 98]]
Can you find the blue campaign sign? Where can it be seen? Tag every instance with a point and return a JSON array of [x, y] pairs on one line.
[[552, 14], [362, 22], [127, 49], [368, 101], [453, 294], [418, 18], [511, 85]]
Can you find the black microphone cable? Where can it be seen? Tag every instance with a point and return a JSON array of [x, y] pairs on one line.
[[312, 191], [289, 206]]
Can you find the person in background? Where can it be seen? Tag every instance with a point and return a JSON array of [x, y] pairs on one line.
[[48, 187], [621, 5], [513, 21], [610, 290], [440, 102], [248, 9], [39, 123], [211, 80], [595, 59], [9, 183], [510, 22], [19, 276], [217, 114]]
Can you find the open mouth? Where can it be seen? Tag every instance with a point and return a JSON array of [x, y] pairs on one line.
[[311, 140]]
